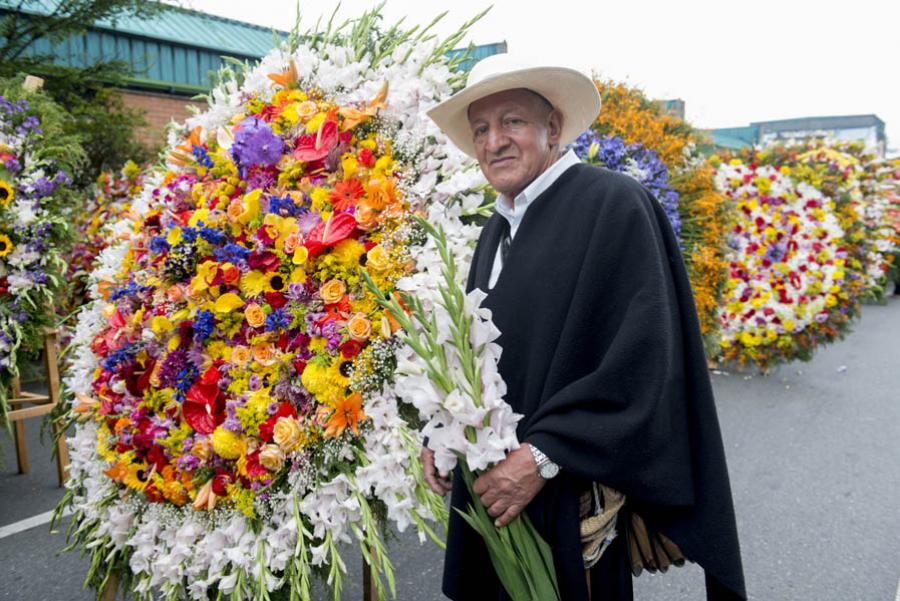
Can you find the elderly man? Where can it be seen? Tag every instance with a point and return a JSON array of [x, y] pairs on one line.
[[621, 466]]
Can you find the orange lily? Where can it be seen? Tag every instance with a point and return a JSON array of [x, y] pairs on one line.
[[347, 414], [285, 78], [180, 155], [353, 117]]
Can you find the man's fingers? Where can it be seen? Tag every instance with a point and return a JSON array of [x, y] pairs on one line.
[[480, 485], [508, 516], [497, 509]]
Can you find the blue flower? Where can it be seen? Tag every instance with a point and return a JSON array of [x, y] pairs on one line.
[[277, 320], [256, 144], [158, 244], [204, 323], [211, 235]]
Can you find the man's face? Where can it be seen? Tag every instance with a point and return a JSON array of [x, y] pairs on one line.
[[516, 135]]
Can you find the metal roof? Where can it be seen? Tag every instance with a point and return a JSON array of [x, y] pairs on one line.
[[176, 50]]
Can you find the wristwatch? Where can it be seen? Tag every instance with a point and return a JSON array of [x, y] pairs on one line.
[[545, 467]]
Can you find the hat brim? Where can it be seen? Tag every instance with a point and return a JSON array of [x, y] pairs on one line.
[[568, 90]]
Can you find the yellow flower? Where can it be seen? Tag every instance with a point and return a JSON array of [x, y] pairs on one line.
[[359, 327], [253, 283], [264, 353], [378, 258], [332, 291], [271, 457], [227, 444], [161, 324], [255, 315], [174, 236], [347, 252], [228, 302], [6, 245], [240, 355], [7, 193], [287, 433]]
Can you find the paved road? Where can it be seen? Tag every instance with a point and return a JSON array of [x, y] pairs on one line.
[[815, 465]]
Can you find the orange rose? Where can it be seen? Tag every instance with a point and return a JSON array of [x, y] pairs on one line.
[[359, 327], [175, 293], [235, 209], [255, 315], [306, 110], [230, 273], [332, 291], [377, 258], [240, 355], [291, 242], [264, 353], [366, 216]]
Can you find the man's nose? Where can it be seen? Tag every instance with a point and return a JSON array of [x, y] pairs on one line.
[[496, 140]]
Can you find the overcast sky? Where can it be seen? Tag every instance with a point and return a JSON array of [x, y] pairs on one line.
[[732, 62]]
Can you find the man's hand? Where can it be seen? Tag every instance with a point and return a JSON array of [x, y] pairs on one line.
[[507, 488], [439, 483]]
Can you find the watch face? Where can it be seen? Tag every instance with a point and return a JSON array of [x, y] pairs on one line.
[[549, 470]]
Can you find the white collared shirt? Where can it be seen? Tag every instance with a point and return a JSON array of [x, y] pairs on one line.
[[516, 211]]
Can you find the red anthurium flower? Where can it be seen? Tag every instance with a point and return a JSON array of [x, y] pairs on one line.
[[315, 147], [200, 409], [328, 233], [156, 456], [211, 376]]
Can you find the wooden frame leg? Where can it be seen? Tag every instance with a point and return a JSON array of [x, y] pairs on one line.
[[62, 456], [370, 591], [21, 446]]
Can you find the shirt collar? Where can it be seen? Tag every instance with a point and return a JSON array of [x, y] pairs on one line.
[[514, 213]]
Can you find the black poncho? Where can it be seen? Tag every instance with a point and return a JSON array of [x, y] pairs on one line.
[[603, 356]]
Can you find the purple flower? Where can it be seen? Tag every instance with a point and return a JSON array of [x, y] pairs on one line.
[[256, 144]]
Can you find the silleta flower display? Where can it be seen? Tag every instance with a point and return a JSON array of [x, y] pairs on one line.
[[787, 291], [232, 380], [33, 230]]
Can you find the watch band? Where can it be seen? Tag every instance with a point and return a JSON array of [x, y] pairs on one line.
[[545, 466]]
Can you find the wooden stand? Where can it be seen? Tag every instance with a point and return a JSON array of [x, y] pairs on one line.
[[28, 404], [370, 591]]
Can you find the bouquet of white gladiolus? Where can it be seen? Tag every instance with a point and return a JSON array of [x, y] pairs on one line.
[[447, 369]]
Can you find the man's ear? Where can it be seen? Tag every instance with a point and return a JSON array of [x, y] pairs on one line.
[[554, 127]]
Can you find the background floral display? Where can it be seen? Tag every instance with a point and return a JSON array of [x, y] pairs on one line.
[[232, 376], [789, 266], [36, 163], [107, 203], [683, 180], [850, 183]]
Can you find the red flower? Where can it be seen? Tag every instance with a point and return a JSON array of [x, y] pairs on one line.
[[351, 348], [276, 299], [254, 468], [328, 233], [266, 261], [346, 194], [220, 481], [366, 158], [311, 148], [202, 409]]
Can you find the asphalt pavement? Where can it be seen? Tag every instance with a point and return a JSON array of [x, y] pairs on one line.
[[814, 459]]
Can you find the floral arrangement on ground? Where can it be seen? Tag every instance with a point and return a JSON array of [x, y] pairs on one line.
[[232, 376], [36, 163], [787, 292]]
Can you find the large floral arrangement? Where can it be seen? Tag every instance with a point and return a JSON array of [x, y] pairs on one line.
[[703, 212], [640, 163], [841, 176], [107, 203], [787, 291], [36, 161], [232, 379]]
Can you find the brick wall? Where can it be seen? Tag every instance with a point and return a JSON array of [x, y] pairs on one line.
[[158, 109]]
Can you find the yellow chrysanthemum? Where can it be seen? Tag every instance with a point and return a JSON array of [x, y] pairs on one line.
[[227, 444]]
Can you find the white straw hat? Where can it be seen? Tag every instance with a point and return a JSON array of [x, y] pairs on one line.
[[570, 91]]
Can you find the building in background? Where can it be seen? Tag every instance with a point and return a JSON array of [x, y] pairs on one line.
[[172, 55], [866, 128]]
